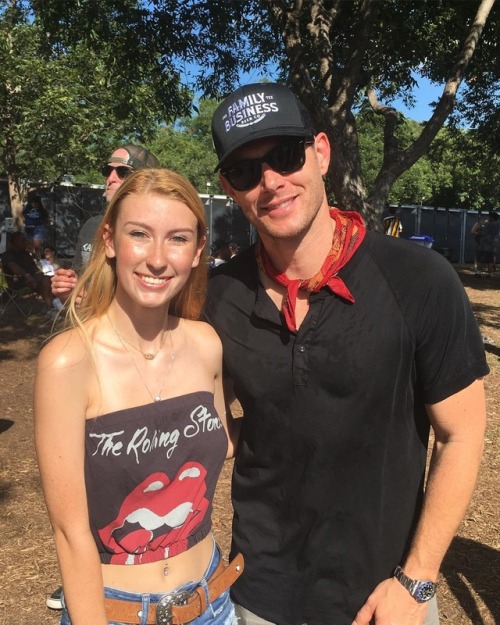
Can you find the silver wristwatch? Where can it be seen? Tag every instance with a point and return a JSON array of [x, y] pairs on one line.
[[420, 591]]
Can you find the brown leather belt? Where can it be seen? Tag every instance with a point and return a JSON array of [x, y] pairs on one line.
[[177, 608]]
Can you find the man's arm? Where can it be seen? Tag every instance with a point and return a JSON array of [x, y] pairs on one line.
[[458, 423], [14, 269]]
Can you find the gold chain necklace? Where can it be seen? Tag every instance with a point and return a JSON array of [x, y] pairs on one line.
[[156, 397], [147, 355]]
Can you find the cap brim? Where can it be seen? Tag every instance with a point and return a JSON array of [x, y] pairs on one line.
[[300, 133]]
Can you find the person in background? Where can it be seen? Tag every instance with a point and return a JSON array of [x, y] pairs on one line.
[[36, 219], [131, 446], [48, 262], [476, 232], [121, 163], [21, 270], [489, 242], [221, 252], [233, 249], [341, 364]]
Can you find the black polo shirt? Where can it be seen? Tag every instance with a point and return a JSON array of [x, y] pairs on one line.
[[328, 478]]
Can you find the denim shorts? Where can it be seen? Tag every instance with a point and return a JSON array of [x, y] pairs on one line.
[[219, 612]]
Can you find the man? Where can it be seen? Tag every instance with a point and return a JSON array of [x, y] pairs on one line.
[[21, 270], [122, 162], [488, 244], [340, 364], [476, 231], [221, 252]]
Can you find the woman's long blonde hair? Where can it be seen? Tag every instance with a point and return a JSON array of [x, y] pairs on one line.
[[98, 282]]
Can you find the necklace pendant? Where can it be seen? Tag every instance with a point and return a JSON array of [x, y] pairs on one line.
[[149, 355], [157, 398]]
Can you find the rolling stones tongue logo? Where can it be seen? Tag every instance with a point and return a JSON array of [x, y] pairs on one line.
[[157, 514]]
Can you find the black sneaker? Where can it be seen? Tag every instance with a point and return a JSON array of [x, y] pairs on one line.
[[54, 600]]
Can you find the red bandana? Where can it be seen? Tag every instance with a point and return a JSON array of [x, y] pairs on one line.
[[349, 232]]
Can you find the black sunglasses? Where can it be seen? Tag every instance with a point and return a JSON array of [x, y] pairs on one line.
[[122, 171], [285, 158]]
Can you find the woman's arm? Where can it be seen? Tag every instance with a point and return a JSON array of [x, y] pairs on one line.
[[64, 375], [222, 403], [211, 348]]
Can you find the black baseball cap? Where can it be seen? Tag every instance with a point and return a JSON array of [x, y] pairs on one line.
[[138, 157], [257, 111]]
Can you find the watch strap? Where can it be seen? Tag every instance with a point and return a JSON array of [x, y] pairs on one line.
[[421, 591]]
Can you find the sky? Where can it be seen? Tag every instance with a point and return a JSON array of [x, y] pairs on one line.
[[425, 93]]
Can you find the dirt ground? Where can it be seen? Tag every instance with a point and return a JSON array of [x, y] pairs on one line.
[[469, 591]]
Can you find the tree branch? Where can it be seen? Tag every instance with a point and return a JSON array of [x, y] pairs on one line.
[[395, 161], [319, 27], [447, 101], [392, 119]]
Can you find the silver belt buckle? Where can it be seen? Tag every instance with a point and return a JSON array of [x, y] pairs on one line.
[[164, 606]]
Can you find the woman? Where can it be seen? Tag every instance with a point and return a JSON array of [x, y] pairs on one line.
[[49, 262], [131, 442], [36, 219]]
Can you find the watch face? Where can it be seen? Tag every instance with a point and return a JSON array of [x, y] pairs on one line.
[[425, 591]]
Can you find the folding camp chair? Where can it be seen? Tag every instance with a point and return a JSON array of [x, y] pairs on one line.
[[22, 299]]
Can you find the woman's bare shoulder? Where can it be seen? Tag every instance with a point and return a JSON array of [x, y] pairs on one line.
[[200, 331], [67, 349]]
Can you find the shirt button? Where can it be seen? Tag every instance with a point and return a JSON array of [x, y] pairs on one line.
[[302, 349]]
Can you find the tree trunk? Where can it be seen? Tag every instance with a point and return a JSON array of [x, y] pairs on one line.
[[16, 198], [345, 172]]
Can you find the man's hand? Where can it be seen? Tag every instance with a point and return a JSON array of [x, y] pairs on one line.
[[391, 604], [63, 282]]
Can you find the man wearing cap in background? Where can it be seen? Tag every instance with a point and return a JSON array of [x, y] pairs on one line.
[[122, 162], [341, 364]]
